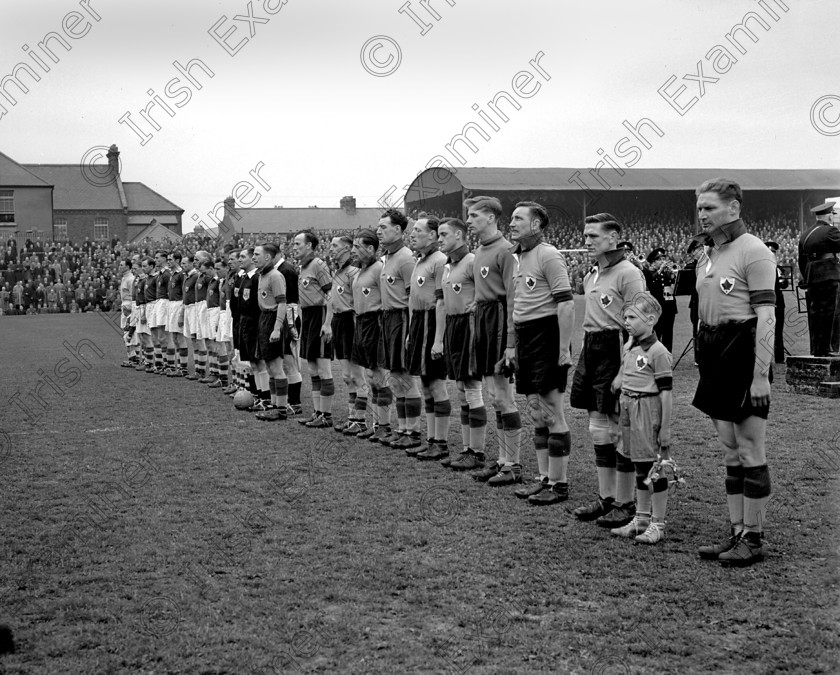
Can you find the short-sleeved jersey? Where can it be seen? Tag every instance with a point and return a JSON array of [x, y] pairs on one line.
[[212, 292], [458, 283], [366, 293], [126, 288], [607, 289], [734, 276], [314, 282], [249, 294], [342, 290], [223, 293], [162, 284], [150, 288], [189, 287], [272, 285], [290, 274], [201, 287], [395, 277], [494, 266], [427, 282], [175, 291], [647, 366], [541, 282]]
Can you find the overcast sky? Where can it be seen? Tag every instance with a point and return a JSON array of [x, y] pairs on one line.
[[297, 96]]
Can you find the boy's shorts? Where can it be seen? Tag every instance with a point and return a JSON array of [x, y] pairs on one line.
[[640, 420]]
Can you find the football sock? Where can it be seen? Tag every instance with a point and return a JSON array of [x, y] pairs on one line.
[[272, 389], [224, 367], [316, 393], [512, 431], [429, 406], [327, 393], [478, 428], [351, 404], [281, 389], [605, 466], [756, 496], [443, 416], [400, 414], [625, 475], [643, 492], [294, 392], [559, 446], [413, 410], [465, 425], [735, 493], [541, 448], [183, 356], [359, 408], [660, 499], [500, 437], [170, 357]]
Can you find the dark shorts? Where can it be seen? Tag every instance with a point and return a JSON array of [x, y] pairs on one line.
[[235, 324], [342, 334], [313, 346], [266, 349], [490, 336], [599, 363], [537, 351], [726, 358], [248, 338], [392, 340], [459, 347], [421, 338], [366, 340]]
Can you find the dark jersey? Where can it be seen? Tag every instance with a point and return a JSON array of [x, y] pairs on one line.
[[176, 286], [290, 274], [162, 285], [249, 295], [213, 292], [189, 288]]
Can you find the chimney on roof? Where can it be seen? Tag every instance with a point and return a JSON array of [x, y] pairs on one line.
[[349, 205], [114, 159]]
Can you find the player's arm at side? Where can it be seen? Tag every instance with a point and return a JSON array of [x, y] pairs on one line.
[[507, 268], [664, 378], [326, 284], [557, 275], [440, 311], [761, 281], [278, 291]]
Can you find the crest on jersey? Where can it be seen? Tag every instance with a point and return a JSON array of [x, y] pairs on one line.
[[641, 362], [456, 287], [246, 293], [199, 285], [530, 283], [484, 271], [340, 290], [727, 284], [236, 291], [390, 280], [263, 294], [605, 300], [365, 291], [305, 282], [421, 281]]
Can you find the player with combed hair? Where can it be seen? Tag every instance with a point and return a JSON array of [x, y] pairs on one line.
[[612, 282], [176, 348], [736, 278], [493, 269], [426, 325], [544, 320]]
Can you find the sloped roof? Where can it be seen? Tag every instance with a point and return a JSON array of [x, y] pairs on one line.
[[73, 192], [489, 178], [156, 232], [290, 220], [142, 198], [13, 174]]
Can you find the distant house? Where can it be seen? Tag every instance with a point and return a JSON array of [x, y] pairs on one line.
[[280, 220], [71, 202]]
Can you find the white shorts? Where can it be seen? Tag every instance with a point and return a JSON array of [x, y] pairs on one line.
[[142, 328], [134, 317], [201, 324], [173, 313], [225, 333], [214, 315], [152, 313], [189, 320]]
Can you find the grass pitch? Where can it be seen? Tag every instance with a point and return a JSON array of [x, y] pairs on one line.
[[147, 526]]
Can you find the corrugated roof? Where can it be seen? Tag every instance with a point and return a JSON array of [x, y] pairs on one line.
[[489, 178], [290, 220], [13, 174], [72, 190], [142, 198]]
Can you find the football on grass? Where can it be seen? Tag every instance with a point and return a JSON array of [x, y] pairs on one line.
[[243, 399]]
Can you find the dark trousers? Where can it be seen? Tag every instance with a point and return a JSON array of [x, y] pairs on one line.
[[824, 317]]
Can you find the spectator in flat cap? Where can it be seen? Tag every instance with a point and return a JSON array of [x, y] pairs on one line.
[[820, 269]]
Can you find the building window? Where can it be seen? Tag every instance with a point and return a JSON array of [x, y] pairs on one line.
[[60, 229], [7, 206], [100, 229]]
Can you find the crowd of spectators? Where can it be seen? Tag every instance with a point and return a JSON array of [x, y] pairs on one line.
[[45, 277]]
